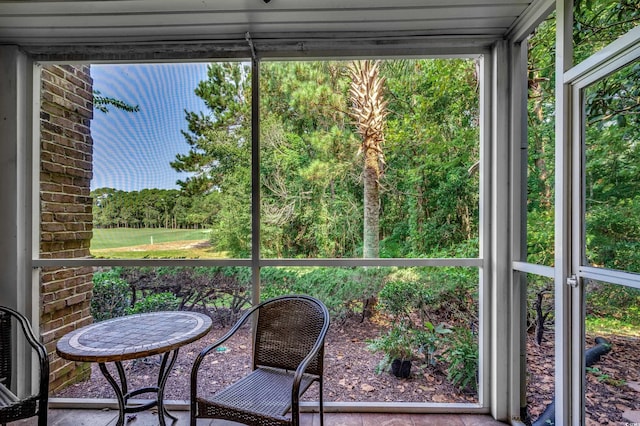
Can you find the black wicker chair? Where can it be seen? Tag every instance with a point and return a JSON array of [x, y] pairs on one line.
[[288, 352], [13, 407]]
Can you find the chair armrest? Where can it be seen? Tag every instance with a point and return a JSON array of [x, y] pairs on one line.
[[37, 347], [302, 367]]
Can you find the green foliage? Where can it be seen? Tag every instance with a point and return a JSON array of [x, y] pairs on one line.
[[608, 325], [343, 290], [404, 342], [454, 295], [222, 291], [164, 301], [603, 377], [432, 145], [612, 154], [102, 103], [398, 343], [400, 298], [614, 302], [218, 162], [462, 357], [111, 295], [600, 22], [413, 293], [148, 208], [311, 173], [540, 236], [430, 339]]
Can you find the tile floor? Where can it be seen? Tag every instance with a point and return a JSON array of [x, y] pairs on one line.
[[84, 417]]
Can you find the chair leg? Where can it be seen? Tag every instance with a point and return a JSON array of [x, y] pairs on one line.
[[321, 405], [192, 416], [42, 418]]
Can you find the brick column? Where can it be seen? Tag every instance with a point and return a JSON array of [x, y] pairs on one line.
[[65, 209]]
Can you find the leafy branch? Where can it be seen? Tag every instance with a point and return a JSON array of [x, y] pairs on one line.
[[102, 103]]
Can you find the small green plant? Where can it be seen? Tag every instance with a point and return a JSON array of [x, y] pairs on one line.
[[605, 378], [462, 357], [165, 301], [110, 295], [430, 339], [397, 343]]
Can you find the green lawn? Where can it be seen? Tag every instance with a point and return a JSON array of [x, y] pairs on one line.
[[130, 237]]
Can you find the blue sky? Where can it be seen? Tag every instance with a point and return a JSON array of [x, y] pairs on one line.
[[132, 151]]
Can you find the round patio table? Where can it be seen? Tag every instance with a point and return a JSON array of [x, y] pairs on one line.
[[131, 337]]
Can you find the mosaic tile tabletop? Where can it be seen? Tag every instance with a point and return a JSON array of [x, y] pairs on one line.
[[133, 336]]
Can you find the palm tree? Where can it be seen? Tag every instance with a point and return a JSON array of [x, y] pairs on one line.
[[369, 110]]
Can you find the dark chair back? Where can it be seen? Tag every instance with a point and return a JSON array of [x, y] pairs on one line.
[[286, 331], [12, 406]]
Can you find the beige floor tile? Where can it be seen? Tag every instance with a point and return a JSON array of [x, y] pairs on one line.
[[387, 419], [475, 420], [79, 417], [342, 419], [436, 420]]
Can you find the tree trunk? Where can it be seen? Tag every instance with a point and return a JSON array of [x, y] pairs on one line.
[[371, 205]]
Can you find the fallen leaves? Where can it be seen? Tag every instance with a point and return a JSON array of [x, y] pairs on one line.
[[367, 388]]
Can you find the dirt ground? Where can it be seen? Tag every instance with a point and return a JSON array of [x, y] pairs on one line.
[[613, 383], [350, 374]]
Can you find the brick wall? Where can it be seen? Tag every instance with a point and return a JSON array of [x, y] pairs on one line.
[[65, 209]]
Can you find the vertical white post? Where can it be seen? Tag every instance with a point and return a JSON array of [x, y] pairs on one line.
[[566, 409], [484, 220], [519, 156], [17, 123], [500, 259]]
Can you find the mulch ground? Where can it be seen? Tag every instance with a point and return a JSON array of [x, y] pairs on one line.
[[613, 383], [350, 374]]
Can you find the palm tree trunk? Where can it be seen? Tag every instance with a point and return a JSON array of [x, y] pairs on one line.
[[371, 237], [369, 111]]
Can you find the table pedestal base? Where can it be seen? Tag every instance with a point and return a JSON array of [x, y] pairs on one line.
[[123, 395]]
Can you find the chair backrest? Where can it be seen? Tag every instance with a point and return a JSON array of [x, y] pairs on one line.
[[287, 329]]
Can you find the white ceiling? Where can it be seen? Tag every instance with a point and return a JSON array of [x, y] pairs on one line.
[[276, 26]]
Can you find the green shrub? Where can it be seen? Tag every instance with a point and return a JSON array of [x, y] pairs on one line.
[[110, 295], [165, 301], [343, 290], [613, 301], [430, 339], [452, 295], [397, 298], [221, 291], [397, 343], [462, 357]]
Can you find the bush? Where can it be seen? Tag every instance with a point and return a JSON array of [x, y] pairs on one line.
[[343, 290], [222, 292], [110, 295], [396, 298], [401, 298], [165, 301], [614, 301], [462, 357], [398, 343]]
